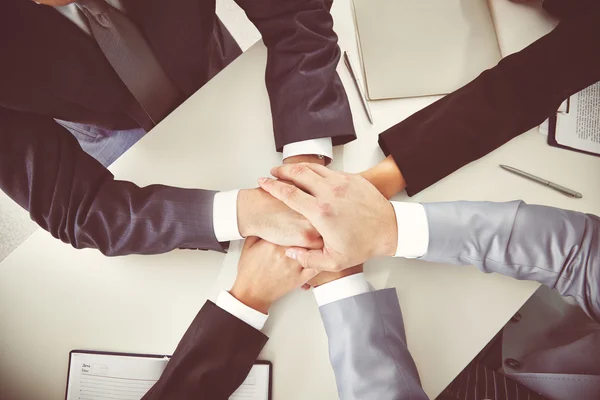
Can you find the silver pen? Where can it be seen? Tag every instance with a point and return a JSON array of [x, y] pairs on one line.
[[544, 182], [358, 87]]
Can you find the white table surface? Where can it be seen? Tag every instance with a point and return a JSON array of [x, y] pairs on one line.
[[54, 299]]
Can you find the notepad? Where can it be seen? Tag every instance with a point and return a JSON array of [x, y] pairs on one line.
[[102, 376], [412, 48]]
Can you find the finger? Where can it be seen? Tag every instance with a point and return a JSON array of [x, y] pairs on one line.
[[294, 198], [306, 286], [250, 241], [302, 176], [314, 243], [307, 274], [312, 259], [322, 170]]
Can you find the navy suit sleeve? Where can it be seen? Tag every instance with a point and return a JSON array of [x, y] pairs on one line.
[[212, 359], [308, 100], [76, 199], [518, 94]]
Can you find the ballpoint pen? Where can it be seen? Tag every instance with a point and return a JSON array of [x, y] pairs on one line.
[[544, 182], [358, 87]]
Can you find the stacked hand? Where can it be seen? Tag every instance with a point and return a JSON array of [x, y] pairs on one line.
[[353, 217], [262, 215], [265, 274], [332, 221]]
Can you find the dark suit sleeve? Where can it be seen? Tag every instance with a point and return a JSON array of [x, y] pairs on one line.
[[307, 97], [212, 359], [503, 102], [76, 199]]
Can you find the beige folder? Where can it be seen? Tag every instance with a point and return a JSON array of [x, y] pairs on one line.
[[414, 48]]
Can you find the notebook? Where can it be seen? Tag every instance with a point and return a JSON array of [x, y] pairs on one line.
[[577, 126], [412, 48], [99, 376]]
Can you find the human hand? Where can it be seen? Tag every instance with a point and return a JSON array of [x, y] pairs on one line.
[[326, 276], [265, 274], [354, 219], [262, 215], [386, 177]]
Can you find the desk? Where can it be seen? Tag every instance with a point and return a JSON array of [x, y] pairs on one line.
[[54, 299]]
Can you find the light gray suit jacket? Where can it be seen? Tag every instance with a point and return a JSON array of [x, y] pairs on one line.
[[558, 248], [367, 348]]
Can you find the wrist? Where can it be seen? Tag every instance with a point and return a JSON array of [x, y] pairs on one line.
[[327, 277], [386, 177], [306, 158], [388, 235], [247, 201], [251, 299]]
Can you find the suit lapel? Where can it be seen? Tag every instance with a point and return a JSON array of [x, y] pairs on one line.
[[52, 65]]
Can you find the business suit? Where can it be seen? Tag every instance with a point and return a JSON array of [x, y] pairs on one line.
[[212, 359], [51, 69], [370, 357], [557, 248], [518, 94], [368, 350]]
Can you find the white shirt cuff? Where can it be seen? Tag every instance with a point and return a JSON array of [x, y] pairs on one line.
[[340, 289], [319, 147], [413, 229], [225, 216], [249, 315]]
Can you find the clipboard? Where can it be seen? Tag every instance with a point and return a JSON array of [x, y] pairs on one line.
[[552, 138], [154, 357]]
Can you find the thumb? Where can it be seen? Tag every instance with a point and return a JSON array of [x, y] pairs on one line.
[[250, 241], [312, 259], [306, 275]]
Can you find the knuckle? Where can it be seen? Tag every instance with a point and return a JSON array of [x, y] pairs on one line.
[[297, 169], [345, 177], [309, 235], [288, 191], [340, 189], [325, 209]]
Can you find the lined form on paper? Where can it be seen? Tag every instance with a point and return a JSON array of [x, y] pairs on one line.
[[106, 376]]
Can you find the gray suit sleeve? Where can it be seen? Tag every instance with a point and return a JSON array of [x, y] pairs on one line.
[[558, 248], [367, 348]]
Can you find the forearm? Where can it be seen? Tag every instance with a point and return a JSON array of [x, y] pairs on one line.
[[68, 193], [502, 103], [558, 248], [307, 97], [368, 350], [212, 359], [386, 177]]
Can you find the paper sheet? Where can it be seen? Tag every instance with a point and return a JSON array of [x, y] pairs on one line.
[[97, 376], [106, 376], [580, 127]]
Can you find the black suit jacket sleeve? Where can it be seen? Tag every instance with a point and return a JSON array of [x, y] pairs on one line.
[[307, 97], [212, 359], [503, 102], [70, 194]]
